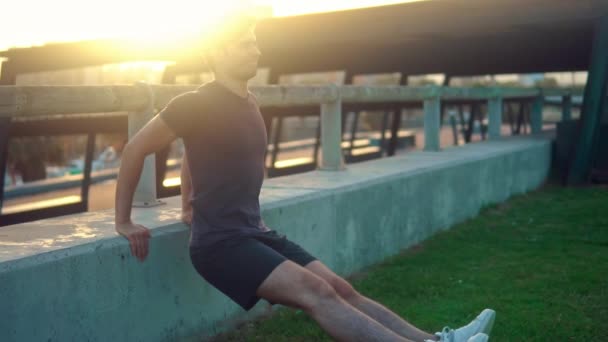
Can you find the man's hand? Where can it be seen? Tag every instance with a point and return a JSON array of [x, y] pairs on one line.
[[187, 216], [138, 236]]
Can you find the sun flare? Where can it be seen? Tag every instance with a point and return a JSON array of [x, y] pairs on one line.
[[148, 22]]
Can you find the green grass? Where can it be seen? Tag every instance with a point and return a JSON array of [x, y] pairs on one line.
[[540, 260]]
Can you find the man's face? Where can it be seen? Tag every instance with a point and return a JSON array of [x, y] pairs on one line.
[[239, 59]]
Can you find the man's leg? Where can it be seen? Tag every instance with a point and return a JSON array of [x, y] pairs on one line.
[[371, 308], [292, 285]]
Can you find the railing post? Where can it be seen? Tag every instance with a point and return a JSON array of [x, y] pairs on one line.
[[495, 105], [4, 140], [536, 119], [567, 107], [331, 135], [432, 117], [145, 193]]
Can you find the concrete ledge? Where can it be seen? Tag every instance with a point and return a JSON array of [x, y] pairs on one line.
[[73, 278]]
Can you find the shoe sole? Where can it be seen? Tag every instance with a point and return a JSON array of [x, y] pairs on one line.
[[479, 338], [489, 321]]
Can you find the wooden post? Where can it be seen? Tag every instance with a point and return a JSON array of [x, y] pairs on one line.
[[495, 116], [331, 136], [145, 193], [432, 127]]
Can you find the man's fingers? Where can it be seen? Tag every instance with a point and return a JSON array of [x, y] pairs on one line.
[[144, 237], [133, 244], [138, 237], [145, 241], [140, 247], [138, 241]]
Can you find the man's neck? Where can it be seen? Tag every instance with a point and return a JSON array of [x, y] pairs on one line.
[[236, 86]]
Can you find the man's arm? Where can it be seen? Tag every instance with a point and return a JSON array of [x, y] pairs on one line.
[[152, 137], [186, 190]]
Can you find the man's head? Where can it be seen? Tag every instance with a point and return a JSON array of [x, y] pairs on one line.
[[234, 51]]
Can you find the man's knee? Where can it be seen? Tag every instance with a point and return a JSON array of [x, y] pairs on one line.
[[341, 286], [345, 290], [294, 286], [313, 294], [319, 290]]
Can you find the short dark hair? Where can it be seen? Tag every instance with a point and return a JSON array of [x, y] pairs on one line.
[[231, 29]]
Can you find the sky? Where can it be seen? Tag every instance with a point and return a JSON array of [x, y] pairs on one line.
[[34, 22]]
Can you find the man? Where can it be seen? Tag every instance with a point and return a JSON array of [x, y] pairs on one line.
[[230, 246]]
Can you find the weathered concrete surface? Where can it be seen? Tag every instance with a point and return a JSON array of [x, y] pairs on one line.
[[73, 278]]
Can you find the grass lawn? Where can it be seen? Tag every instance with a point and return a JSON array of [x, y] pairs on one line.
[[540, 260]]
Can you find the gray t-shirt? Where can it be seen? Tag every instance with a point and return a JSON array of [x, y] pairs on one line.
[[225, 140]]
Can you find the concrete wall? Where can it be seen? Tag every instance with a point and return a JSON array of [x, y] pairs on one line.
[[73, 278]]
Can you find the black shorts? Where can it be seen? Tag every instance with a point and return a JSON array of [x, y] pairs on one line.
[[238, 266]]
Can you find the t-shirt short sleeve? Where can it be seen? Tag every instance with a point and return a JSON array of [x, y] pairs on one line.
[[180, 112]]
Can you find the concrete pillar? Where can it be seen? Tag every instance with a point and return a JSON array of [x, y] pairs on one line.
[[432, 126], [594, 102], [8, 75], [495, 117], [145, 193], [331, 136], [566, 107], [536, 119]]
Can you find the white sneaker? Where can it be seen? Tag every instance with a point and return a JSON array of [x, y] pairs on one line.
[[481, 324], [449, 337], [481, 337]]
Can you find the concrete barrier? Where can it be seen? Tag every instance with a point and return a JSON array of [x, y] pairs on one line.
[[74, 279]]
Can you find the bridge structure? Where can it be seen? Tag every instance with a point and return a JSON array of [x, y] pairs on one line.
[[456, 38], [453, 37], [42, 105], [348, 215]]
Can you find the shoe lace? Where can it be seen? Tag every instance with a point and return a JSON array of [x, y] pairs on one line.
[[446, 335]]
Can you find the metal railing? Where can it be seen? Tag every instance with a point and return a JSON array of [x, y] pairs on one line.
[[142, 102]]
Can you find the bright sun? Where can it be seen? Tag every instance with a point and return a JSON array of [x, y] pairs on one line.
[[72, 20], [34, 22]]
